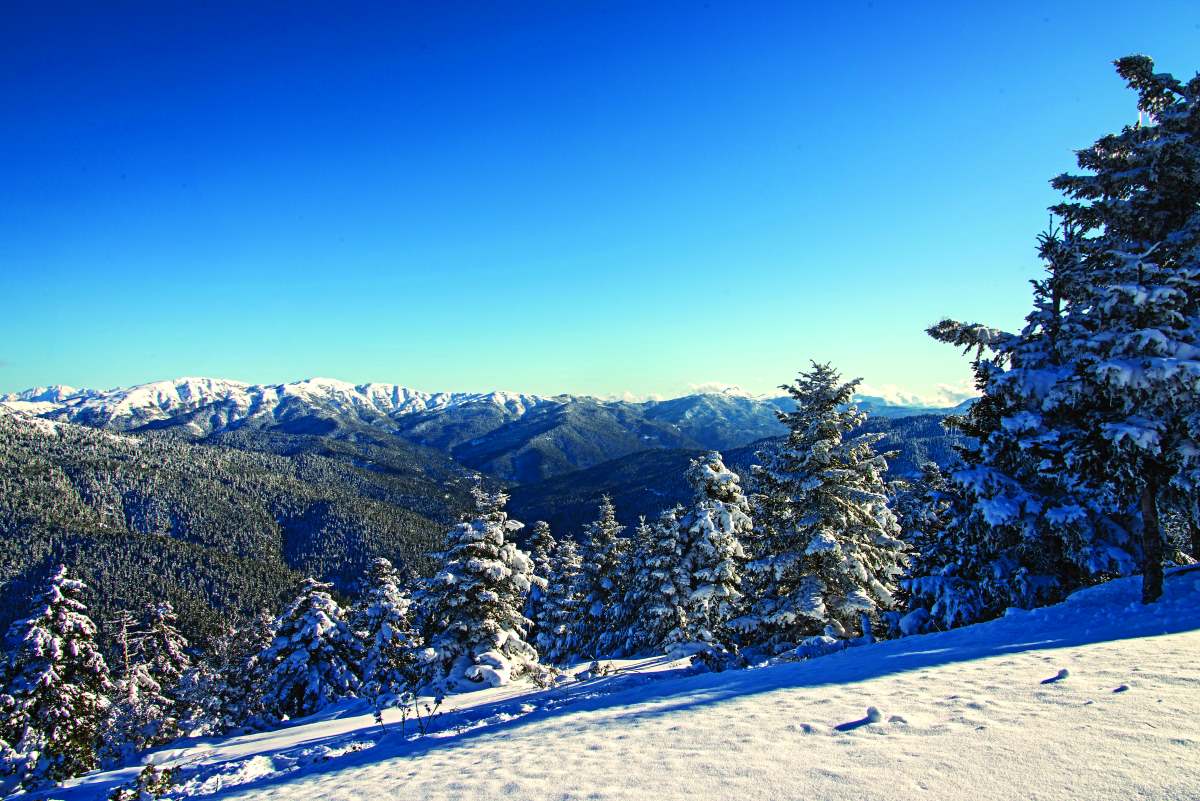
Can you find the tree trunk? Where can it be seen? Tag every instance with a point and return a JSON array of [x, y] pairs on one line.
[[1152, 545], [1194, 529]]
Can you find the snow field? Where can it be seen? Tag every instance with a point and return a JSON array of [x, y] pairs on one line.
[[1096, 698]]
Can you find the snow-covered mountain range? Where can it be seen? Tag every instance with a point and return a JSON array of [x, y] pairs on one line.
[[229, 402], [513, 436]]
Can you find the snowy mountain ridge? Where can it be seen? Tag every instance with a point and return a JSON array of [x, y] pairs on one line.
[[160, 400], [234, 401], [510, 435]]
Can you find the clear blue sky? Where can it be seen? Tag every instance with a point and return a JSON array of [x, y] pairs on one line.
[[554, 196]]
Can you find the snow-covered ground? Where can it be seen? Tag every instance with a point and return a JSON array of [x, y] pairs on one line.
[[1096, 698]]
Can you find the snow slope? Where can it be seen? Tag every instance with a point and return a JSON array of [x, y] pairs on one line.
[[1096, 698]]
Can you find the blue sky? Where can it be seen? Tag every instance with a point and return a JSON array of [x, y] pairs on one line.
[[585, 197]]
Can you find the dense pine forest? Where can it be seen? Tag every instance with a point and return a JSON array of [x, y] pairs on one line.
[[158, 588]]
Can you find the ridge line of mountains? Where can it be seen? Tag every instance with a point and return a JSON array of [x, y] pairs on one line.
[[513, 437], [220, 495]]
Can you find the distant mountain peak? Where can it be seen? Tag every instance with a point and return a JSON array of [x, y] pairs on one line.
[[727, 390], [51, 394]]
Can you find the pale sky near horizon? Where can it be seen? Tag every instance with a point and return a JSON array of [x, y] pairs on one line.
[[587, 197]]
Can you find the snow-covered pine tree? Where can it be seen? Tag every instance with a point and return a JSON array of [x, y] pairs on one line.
[[11, 763], [660, 585], [164, 648], [1134, 332], [57, 686], [312, 660], [139, 714], [203, 692], [1004, 536], [601, 583], [633, 595], [1065, 530], [391, 644], [245, 672], [474, 622], [541, 552], [711, 555], [1088, 424], [829, 548], [556, 639]]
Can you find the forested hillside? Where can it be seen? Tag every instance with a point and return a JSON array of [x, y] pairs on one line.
[[213, 529], [645, 482]]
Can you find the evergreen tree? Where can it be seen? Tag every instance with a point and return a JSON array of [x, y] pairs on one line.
[[1005, 532], [391, 644], [557, 639], [57, 686], [1134, 332], [600, 582], [164, 652], [1088, 424], [203, 690], [829, 548], [942, 583], [711, 554], [164, 648], [312, 659], [541, 552], [139, 716], [474, 623], [661, 586], [12, 763]]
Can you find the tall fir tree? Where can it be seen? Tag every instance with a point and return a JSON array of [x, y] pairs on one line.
[[312, 659], [603, 568], [541, 553], [391, 644], [658, 594], [829, 552], [711, 555], [139, 715], [557, 637], [58, 686], [1087, 424], [1006, 534], [474, 622], [1134, 332]]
